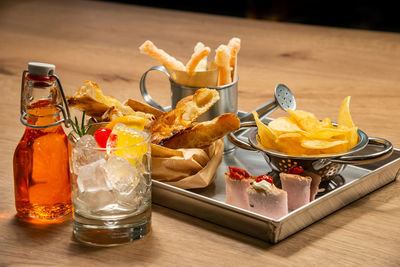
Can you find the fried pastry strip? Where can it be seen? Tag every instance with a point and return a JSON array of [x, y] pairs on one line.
[[158, 54], [90, 98], [222, 57], [234, 46], [202, 66], [196, 57], [139, 106], [204, 133]]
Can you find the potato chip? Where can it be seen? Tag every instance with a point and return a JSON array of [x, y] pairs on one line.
[[284, 125], [302, 134], [327, 123], [327, 133], [296, 136], [306, 120], [289, 143], [346, 121], [267, 137], [321, 144], [344, 114]]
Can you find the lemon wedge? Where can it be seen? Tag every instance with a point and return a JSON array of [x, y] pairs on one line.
[[130, 143], [131, 121]]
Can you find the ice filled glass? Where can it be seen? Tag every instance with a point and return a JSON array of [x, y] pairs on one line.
[[111, 185]]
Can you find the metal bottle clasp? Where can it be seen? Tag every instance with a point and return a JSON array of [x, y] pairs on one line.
[[64, 111]]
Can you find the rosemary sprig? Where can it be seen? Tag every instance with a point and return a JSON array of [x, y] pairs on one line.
[[80, 128]]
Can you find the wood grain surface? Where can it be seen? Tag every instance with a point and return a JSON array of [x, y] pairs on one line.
[[99, 41]]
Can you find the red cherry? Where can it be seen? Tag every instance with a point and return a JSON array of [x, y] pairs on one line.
[[101, 136], [264, 177]]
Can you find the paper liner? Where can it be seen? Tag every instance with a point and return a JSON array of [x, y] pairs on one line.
[[196, 168], [207, 78]]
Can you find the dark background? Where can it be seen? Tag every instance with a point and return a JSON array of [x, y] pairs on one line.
[[370, 15]]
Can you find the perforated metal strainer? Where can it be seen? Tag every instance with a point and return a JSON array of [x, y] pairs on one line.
[[283, 98], [327, 166]]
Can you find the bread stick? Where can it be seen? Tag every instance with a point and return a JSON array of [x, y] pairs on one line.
[[195, 59], [158, 54], [204, 133], [222, 58], [234, 46]]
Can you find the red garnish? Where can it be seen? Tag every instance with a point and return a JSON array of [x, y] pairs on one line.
[[264, 177], [295, 170], [238, 174], [101, 136]]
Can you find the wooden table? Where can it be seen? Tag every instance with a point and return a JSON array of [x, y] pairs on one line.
[[99, 41]]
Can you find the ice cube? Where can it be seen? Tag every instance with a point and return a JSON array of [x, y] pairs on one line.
[[121, 174], [93, 177], [142, 192], [91, 202], [85, 152], [129, 201], [94, 189]]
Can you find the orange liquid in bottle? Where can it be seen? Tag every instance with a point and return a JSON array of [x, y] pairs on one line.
[[41, 168]]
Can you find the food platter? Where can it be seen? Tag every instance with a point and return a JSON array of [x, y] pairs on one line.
[[208, 203], [186, 151]]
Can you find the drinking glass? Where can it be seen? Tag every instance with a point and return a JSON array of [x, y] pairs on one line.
[[111, 189]]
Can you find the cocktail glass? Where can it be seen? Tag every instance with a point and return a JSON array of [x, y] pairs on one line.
[[111, 189]]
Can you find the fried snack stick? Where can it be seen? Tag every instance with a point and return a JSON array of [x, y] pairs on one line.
[[198, 55], [234, 46], [186, 112], [202, 66], [222, 57], [205, 133], [158, 54]]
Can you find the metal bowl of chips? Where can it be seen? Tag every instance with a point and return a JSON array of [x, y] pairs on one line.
[[327, 165]]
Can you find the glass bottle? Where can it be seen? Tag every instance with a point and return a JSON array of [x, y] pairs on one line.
[[41, 166]]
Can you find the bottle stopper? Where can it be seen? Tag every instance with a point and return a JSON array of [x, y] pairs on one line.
[[41, 69]]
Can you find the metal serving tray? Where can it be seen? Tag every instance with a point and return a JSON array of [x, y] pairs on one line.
[[209, 203]]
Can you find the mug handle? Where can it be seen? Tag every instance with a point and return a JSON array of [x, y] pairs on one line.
[[143, 90]]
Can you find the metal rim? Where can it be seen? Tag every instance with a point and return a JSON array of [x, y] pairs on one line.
[[218, 88]]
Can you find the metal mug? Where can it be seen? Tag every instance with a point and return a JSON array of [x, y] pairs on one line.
[[227, 103]]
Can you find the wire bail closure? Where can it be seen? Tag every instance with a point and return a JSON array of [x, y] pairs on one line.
[[65, 111]]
